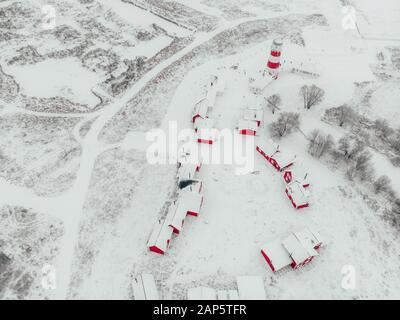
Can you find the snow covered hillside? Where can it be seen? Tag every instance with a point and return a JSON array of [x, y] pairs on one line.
[[85, 84]]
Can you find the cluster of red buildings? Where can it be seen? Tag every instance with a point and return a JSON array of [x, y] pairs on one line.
[[189, 203], [296, 250], [295, 177], [203, 125]]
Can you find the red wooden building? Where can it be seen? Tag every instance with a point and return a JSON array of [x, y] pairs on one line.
[[200, 110], [267, 149], [282, 160], [297, 195], [205, 130], [296, 250], [296, 172], [160, 237], [247, 127]]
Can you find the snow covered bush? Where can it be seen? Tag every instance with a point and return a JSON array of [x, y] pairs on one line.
[[319, 143], [285, 124], [274, 102], [312, 95]]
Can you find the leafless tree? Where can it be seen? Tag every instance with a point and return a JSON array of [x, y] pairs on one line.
[[382, 184], [345, 115], [350, 147], [286, 122], [312, 95], [382, 129], [274, 102], [319, 143], [363, 168]]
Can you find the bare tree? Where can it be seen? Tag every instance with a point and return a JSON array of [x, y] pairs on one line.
[[382, 184], [312, 95], [286, 122], [363, 167], [382, 129], [274, 102], [350, 147], [345, 115], [319, 143]]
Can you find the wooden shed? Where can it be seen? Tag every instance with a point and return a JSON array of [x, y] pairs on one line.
[[253, 114], [205, 130], [160, 237], [297, 194], [300, 253], [200, 110], [276, 255]]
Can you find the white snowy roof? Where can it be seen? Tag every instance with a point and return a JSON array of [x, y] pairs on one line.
[[307, 239], [190, 201], [187, 172], [299, 173], [253, 114], [202, 293], [205, 128], [160, 235], [284, 159], [144, 287], [201, 108], [311, 236], [251, 288], [247, 124], [277, 254], [296, 250], [269, 147], [298, 193], [177, 217], [206, 123]]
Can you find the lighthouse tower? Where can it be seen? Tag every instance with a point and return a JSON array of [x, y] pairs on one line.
[[274, 58]]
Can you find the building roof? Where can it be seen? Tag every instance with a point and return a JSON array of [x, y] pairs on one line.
[[187, 172], [253, 114], [201, 293], [251, 288], [297, 192], [307, 239], [296, 250], [299, 173], [284, 159], [205, 128], [269, 147], [177, 216], [201, 108], [160, 235], [277, 254], [190, 201], [247, 125]]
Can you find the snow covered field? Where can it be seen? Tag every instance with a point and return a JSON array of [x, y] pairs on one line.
[[79, 198]]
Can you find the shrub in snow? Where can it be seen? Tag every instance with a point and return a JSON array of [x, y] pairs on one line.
[[274, 102], [382, 185], [382, 129], [286, 122], [319, 143], [312, 95], [350, 147], [395, 140], [362, 167]]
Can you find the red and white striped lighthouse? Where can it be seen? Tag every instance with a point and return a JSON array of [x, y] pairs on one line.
[[274, 58]]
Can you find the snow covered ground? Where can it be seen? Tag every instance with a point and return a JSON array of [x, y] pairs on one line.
[[79, 198]]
